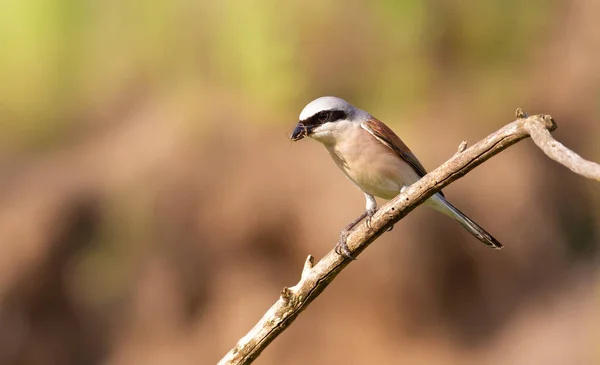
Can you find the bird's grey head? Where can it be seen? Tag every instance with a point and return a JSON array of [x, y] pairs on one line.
[[324, 115]]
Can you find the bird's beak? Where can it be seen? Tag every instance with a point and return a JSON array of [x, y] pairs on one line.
[[300, 132]]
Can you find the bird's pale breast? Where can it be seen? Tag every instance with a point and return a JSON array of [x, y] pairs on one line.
[[373, 167]]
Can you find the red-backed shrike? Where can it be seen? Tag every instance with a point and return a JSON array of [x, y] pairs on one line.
[[374, 158]]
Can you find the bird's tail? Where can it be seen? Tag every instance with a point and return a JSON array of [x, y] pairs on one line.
[[440, 204]]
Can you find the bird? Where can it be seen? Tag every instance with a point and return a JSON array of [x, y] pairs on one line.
[[372, 157]]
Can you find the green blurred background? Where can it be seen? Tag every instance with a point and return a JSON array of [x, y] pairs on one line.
[[152, 206]]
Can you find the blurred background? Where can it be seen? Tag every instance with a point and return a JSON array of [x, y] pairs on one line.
[[152, 207]]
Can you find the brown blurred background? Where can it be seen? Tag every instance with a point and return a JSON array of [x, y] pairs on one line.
[[152, 207]]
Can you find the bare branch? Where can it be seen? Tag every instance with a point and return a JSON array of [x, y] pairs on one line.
[[540, 134], [561, 154], [316, 278]]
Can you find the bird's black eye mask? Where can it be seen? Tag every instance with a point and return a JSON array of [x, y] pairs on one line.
[[305, 127], [325, 116]]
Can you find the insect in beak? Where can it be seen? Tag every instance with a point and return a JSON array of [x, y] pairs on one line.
[[300, 132]]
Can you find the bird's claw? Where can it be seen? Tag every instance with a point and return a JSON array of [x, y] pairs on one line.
[[341, 248], [370, 214]]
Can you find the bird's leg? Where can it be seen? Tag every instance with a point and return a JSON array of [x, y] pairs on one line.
[[371, 208], [341, 248]]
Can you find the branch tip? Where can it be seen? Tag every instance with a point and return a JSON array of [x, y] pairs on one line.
[[309, 263], [520, 114], [549, 122], [307, 269], [462, 146]]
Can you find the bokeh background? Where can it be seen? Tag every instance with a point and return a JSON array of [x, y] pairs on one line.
[[152, 206]]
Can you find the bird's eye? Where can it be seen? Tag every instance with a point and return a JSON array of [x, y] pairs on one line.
[[323, 116]]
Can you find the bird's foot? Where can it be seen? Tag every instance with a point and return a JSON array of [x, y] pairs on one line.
[[370, 213], [390, 228], [341, 248]]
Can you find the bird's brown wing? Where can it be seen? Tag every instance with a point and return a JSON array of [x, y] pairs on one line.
[[385, 135]]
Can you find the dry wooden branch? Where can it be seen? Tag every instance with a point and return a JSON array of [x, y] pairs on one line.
[[558, 152], [315, 278]]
